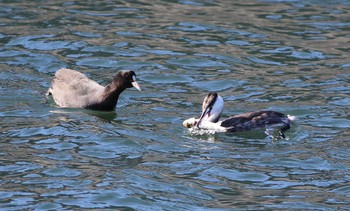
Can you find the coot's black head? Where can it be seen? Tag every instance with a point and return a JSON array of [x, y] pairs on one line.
[[127, 79]]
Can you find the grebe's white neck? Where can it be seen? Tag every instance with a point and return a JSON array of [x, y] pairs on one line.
[[215, 113], [212, 107]]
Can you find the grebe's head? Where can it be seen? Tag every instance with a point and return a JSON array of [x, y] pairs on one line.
[[212, 107]]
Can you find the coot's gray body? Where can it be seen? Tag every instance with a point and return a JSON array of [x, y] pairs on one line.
[[73, 89]]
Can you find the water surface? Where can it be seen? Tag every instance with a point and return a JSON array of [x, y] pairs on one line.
[[289, 56]]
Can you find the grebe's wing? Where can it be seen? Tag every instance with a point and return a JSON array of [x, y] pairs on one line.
[[256, 119]]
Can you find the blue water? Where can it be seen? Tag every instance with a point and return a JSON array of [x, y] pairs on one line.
[[288, 56]]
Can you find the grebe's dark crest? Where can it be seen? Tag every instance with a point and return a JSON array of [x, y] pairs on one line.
[[212, 108]]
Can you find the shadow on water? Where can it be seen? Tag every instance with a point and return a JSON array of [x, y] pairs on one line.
[[104, 116], [107, 116]]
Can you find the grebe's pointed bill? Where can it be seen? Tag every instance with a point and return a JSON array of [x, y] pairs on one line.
[[212, 107], [135, 84]]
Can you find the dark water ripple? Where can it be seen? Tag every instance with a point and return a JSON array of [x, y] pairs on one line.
[[289, 56]]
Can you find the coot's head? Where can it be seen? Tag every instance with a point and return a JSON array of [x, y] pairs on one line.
[[127, 78]]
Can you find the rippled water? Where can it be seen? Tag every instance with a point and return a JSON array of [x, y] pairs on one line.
[[289, 56]]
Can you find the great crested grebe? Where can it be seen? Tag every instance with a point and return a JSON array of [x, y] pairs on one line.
[[212, 108]]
